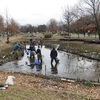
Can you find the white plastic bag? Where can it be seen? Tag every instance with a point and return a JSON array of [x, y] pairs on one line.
[[9, 80]]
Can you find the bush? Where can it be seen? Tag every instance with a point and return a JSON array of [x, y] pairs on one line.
[[48, 35], [88, 84]]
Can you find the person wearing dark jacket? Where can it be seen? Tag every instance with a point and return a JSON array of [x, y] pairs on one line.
[[39, 54], [53, 55], [32, 48]]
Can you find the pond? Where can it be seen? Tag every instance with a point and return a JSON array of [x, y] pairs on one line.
[[70, 66]]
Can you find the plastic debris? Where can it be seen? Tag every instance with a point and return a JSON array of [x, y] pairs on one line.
[[9, 80], [3, 87], [36, 62]]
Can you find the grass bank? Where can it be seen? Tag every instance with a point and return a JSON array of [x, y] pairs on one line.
[[31, 87]]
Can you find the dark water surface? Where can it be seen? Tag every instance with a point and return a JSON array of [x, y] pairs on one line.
[[70, 66]]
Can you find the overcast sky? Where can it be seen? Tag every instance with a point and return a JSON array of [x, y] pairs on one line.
[[34, 12]]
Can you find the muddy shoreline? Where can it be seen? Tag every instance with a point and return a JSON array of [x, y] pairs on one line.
[[78, 50]]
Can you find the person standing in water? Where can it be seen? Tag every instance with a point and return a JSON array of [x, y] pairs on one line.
[[53, 55], [39, 54]]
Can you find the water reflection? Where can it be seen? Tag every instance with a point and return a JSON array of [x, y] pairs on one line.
[[38, 67], [70, 66], [54, 69], [32, 64]]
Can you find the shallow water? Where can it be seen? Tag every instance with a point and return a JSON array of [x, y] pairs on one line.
[[70, 66]]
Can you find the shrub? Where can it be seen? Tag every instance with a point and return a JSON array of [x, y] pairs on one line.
[[47, 35]]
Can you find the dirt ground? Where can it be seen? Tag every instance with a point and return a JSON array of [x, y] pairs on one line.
[[66, 90], [31, 87]]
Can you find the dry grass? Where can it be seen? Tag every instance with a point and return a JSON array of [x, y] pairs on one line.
[[30, 87], [5, 48]]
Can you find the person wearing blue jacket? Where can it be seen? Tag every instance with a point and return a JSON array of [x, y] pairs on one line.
[[15, 50], [16, 46], [53, 55]]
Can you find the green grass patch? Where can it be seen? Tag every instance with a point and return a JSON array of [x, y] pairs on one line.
[[88, 84], [25, 93]]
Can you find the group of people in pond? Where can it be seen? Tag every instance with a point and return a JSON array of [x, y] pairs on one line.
[[53, 53], [36, 55]]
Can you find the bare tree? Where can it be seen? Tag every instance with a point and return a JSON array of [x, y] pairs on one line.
[[93, 7], [60, 26], [68, 17], [1, 24], [13, 26], [53, 26], [41, 28], [7, 22], [78, 12]]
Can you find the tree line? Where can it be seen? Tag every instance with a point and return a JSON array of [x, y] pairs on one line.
[[81, 18]]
